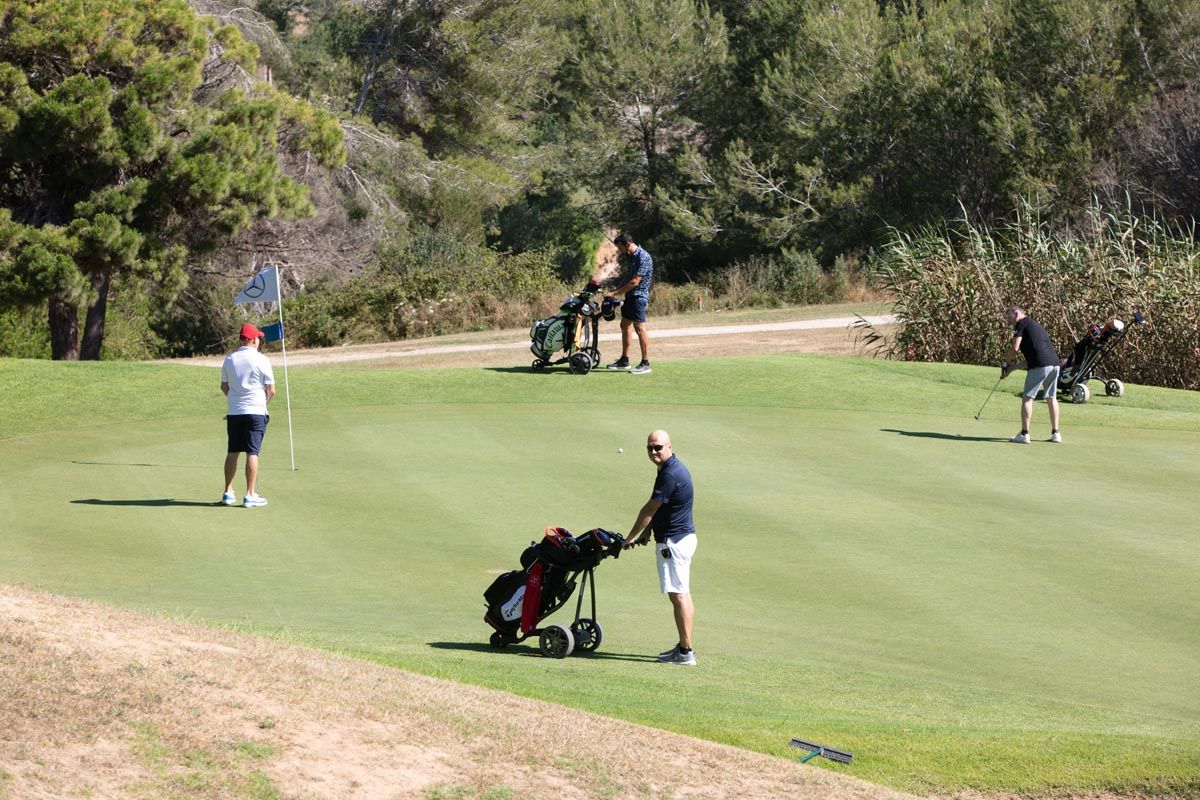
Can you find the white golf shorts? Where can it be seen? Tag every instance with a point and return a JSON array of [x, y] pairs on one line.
[[1045, 378], [675, 570]]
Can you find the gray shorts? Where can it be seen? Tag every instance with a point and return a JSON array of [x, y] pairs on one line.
[[1044, 378]]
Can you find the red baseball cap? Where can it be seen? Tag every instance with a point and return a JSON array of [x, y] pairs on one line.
[[251, 332]]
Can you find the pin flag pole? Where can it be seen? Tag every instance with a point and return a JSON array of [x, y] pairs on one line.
[[287, 393]]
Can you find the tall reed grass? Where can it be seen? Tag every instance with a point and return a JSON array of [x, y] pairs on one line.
[[952, 283]]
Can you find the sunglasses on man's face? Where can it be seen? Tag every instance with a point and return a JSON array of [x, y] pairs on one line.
[[655, 448]]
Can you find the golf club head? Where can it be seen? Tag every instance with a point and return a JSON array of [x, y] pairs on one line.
[[1138, 319]]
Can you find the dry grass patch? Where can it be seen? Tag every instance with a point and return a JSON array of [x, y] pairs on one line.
[[105, 703]]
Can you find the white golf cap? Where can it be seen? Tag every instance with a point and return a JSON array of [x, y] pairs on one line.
[[1118, 325]]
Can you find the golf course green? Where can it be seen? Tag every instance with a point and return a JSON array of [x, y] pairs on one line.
[[877, 570]]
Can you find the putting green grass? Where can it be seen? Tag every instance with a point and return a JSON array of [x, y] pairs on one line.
[[877, 570]]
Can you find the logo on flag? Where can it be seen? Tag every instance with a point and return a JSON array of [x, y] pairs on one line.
[[262, 288]]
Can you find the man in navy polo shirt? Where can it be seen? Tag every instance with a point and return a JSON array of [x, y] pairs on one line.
[[635, 287], [1042, 365], [668, 516]]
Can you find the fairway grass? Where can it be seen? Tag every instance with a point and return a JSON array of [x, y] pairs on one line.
[[877, 570]]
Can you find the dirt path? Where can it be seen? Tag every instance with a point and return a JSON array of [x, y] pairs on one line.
[[670, 339], [104, 703]]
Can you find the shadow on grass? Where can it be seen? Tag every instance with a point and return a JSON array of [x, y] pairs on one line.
[[560, 370], [151, 503], [953, 437], [136, 464], [524, 370], [532, 650]]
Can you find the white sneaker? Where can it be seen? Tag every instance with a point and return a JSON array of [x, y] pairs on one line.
[[641, 369], [1056, 437], [254, 501], [228, 499], [687, 659], [1020, 438]]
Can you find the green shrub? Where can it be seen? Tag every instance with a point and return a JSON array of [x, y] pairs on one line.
[[201, 320], [551, 223], [24, 333], [129, 334], [433, 284]]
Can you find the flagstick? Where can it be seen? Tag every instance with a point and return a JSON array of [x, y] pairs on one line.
[[287, 393]]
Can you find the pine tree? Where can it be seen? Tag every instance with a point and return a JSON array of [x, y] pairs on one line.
[[130, 136]]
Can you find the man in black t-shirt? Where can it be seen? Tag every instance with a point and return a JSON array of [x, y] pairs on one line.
[[1042, 364], [668, 515]]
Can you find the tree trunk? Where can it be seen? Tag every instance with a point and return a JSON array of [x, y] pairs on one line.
[[383, 41], [93, 327], [364, 90], [64, 330]]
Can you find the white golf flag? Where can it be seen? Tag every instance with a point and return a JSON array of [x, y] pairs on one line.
[[262, 288]]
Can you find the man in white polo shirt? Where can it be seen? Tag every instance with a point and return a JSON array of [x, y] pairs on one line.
[[248, 383]]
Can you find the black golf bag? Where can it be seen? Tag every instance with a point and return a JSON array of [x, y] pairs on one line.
[[575, 331], [1087, 357], [550, 570]]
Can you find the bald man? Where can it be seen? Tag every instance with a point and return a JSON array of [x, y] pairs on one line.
[[667, 516]]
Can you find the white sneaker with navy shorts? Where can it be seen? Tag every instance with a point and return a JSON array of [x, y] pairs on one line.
[[254, 501]]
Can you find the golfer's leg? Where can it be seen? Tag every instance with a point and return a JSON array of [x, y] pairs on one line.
[[626, 337], [643, 339], [1026, 412], [231, 460], [1052, 404], [684, 613], [251, 473]]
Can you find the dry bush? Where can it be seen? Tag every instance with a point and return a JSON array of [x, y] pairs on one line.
[[667, 299], [952, 286]]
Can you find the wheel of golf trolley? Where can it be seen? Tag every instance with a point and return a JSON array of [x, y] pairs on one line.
[[580, 363], [498, 640], [540, 364], [556, 641], [1114, 388], [588, 634], [1080, 393]]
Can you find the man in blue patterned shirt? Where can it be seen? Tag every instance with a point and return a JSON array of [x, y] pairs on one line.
[[635, 286]]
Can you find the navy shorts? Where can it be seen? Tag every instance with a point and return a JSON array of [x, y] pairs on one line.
[[246, 432], [634, 308]]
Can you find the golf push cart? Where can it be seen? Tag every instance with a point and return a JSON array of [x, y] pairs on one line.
[[1086, 360], [575, 331], [550, 569]]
